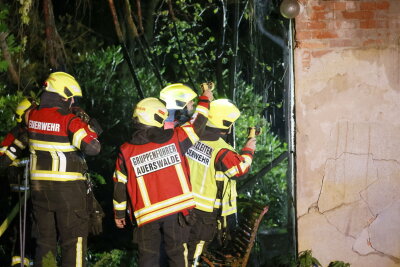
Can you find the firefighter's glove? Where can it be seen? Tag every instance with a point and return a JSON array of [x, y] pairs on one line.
[[207, 86], [253, 132], [191, 218], [79, 112], [96, 223], [96, 215], [95, 126]]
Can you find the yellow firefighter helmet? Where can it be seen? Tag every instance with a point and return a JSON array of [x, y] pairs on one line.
[[177, 95], [63, 84], [151, 111], [223, 113], [22, 107]]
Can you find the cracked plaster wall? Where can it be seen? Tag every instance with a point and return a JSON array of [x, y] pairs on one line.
[[348, 156]]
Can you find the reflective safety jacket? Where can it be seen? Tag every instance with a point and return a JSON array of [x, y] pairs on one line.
[[56, 142], [156, 177], [214, 166], [13, 145]]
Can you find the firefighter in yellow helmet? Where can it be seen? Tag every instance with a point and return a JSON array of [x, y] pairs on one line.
[[179, 98], [214, 168], [58, 139], [15, 142], [13, 157], [151, 169]]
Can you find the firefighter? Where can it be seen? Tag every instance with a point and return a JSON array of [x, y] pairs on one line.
[[152, 170], [17, 139], [13, 155], [214, 168], [58, 139]]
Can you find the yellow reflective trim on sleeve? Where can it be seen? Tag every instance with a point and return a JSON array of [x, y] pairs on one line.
[[3, 149], [119, 205], [182, 178], [202, 110], [10, 155], [143, 191], [78, 136], [19, 144], [191, 134], [232, 171], [79, 252], [51, 146], [20, 162], [120, 177], [219, 176]]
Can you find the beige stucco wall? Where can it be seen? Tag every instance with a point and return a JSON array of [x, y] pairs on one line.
[[348, 155]]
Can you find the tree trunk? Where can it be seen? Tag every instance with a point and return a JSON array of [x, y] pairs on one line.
[[54, 45]]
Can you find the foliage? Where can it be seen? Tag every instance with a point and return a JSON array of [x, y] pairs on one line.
[[271, 189], [338, 264], [305, 259], [113, 258], [8, 104]]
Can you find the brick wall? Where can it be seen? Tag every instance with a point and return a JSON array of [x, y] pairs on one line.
[[347, 104], [324, 25]]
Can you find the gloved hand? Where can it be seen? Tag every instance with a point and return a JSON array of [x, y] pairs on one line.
[[191, 218], [253, 132], [79, 112], [96, 223], [96, 215], [95, 126]]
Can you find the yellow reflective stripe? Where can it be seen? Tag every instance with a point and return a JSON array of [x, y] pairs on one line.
[[229, 211], [217, 203], [55, 162], [185, 254], [79, 252], [56, 176], [120, 177], [197, 252], [202, 110], [17, 259], [191, 134], [162, 204], [3, 149], [182, 178], [203, 197], [219, 176], [19, 144], [10, 155], [203, 182], [248, 159], [33, 160], [203, 207], [78, 136], [143, 191], [232, 171], [20, 162], [165, 211], [51, 146], [119, 205]]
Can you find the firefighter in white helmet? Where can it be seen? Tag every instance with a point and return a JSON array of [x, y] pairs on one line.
[[151, 169], [214, 169]]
